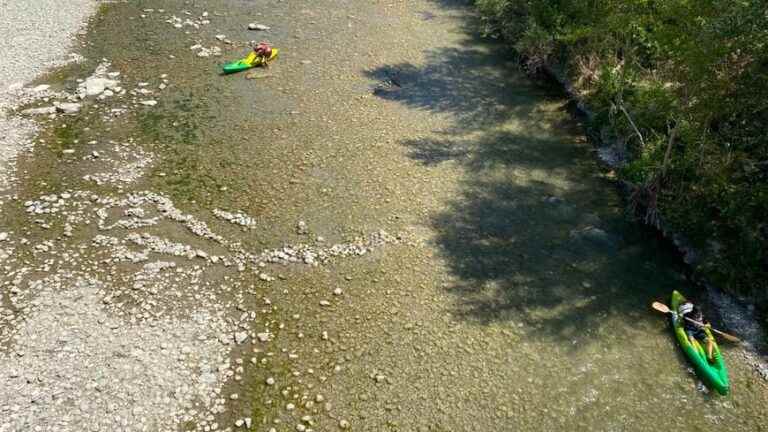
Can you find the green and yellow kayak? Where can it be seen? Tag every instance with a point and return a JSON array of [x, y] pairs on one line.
[[250, 61], [714, 374]]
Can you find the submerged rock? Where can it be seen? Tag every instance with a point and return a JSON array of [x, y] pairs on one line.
[[594, 235]]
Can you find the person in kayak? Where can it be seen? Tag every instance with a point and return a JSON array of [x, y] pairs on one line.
[[694, 330]]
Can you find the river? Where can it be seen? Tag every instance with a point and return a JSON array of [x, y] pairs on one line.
[[516, 296]]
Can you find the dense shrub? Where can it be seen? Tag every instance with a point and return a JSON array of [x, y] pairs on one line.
[[683, 86]]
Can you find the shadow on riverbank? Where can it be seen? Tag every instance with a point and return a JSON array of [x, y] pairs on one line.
[[538, 235]]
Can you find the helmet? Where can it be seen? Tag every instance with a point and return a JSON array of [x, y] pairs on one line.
[[686, 308]]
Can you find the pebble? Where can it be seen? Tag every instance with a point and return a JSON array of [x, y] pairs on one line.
[[94, 86], [270, 381], [343, 424], [302, 228], [148, 102], [290, 407], [68, 107], [241, 337], [3, 236], [338, 291], [259, 27]]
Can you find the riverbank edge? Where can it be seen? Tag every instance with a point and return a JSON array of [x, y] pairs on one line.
[[59, 34], [688, 253]]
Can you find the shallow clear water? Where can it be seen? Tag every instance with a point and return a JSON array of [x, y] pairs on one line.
[[521, 298]]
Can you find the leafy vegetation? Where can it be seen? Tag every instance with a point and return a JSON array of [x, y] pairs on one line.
[[681, 87]]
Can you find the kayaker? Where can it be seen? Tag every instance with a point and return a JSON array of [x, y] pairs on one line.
[[263, 49], [694, 330]]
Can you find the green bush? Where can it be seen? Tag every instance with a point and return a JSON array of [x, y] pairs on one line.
[[699, 69]]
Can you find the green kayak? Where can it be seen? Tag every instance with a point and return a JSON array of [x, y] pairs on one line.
[[714, 374]]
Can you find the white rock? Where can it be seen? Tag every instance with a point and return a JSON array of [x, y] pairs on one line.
[[241, 337], [95, 86], [68, 107], [3, 236], [325, 303], [270, 381], [302, 228], [41, 88], [337, 291], [260, 27], [248, 422], [343, 424], [221, 37], [149, 102]]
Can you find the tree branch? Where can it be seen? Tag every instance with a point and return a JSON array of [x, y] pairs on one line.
[[631, 122], [668, 154]]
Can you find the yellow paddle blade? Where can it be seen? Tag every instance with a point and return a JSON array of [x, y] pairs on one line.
[[661, 307]]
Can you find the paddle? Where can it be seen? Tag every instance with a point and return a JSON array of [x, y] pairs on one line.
[[661, 307]]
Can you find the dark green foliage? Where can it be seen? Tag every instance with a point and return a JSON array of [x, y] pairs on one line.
[[699, 68]]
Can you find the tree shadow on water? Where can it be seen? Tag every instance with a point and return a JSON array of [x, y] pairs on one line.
[[470, 83], [535, 235]]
